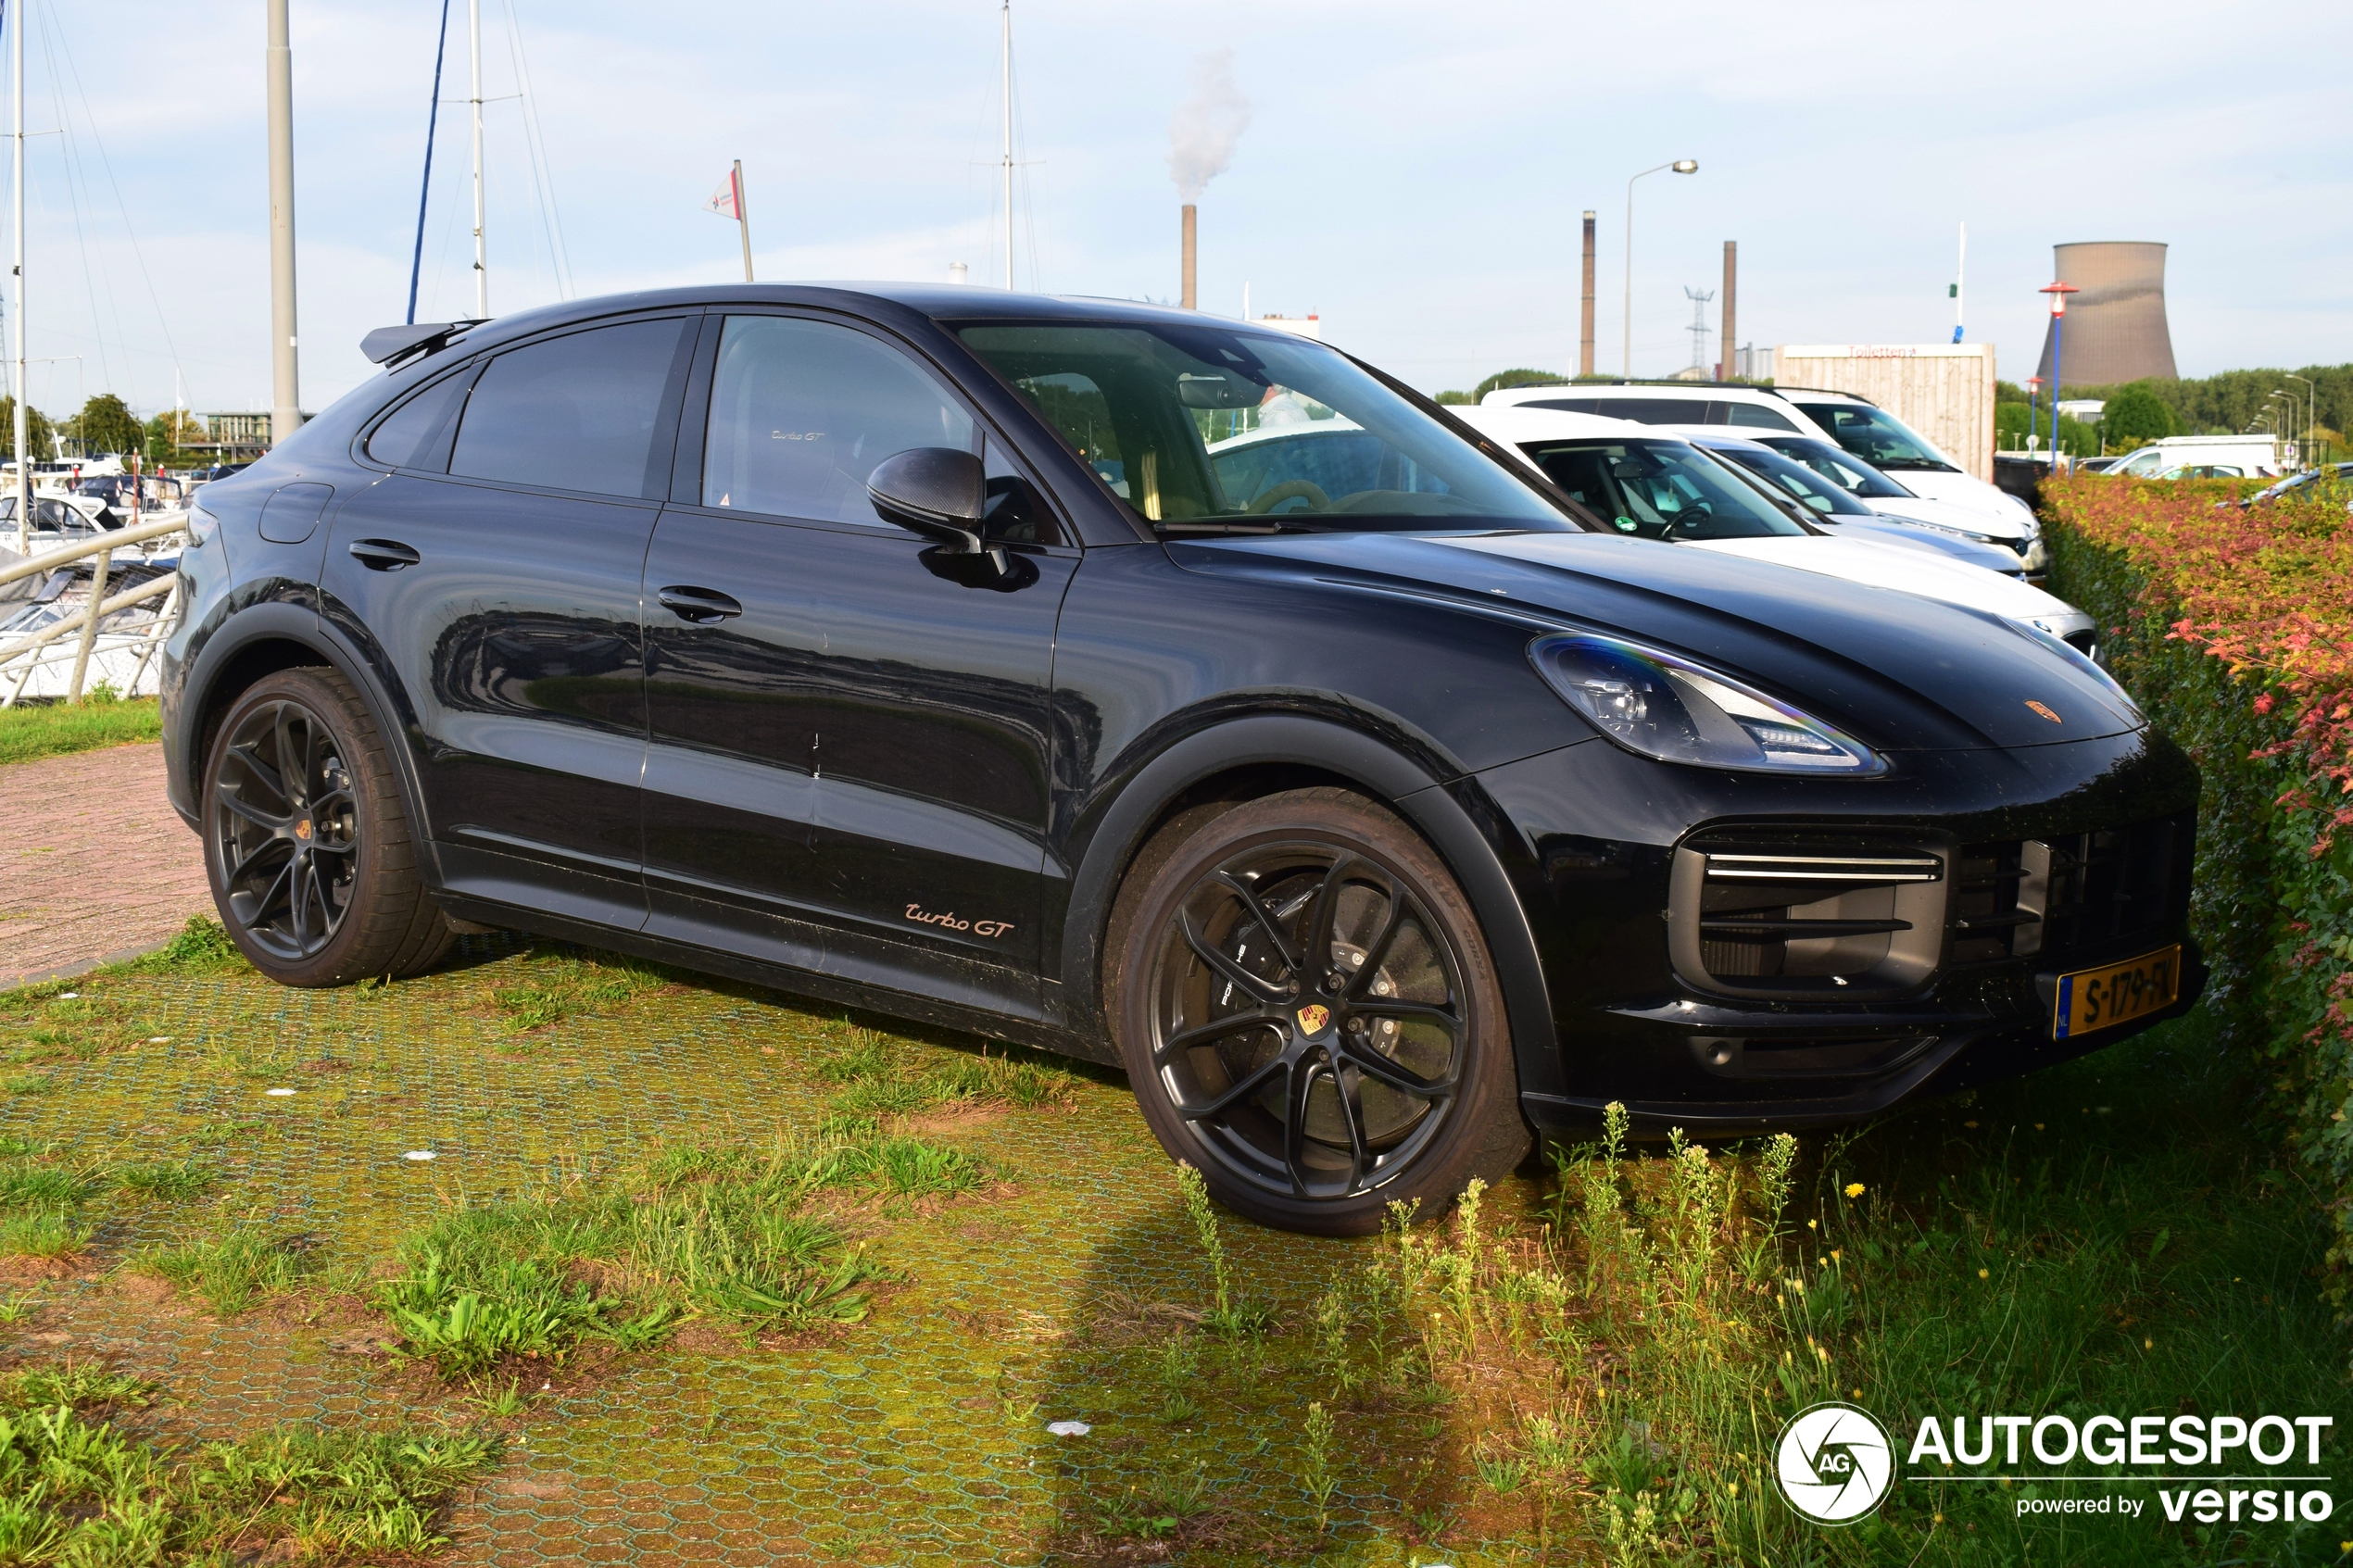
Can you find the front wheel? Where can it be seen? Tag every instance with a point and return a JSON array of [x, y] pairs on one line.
[[307, 842], [1308, 1013]]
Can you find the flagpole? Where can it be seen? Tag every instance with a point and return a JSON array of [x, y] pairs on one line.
[[743, 216], [23, 422], [1009, 142]]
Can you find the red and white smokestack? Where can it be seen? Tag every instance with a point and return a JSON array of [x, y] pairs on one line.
[[1189, 297]]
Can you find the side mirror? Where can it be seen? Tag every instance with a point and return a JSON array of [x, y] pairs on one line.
[[940, 493]]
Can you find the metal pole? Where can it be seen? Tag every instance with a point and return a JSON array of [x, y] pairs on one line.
[[1731, 316], [90, 615], [1960, 285], [2311, 418], [481, 259], [1681, 166], [1008, 64], [23, 419], [432, 123], [2059, 384], [743, 219], [284, 371]]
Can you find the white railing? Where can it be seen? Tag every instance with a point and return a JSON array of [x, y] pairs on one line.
[[23, 658]]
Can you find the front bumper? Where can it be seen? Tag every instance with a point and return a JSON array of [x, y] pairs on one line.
[[1961, 997]]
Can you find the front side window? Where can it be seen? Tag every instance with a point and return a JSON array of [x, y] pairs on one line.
[[1797, 479], [1659, 490], [576, 412], [801, 412], [1839, 466], [2143, 463], [1875, 435], [1207, 428]]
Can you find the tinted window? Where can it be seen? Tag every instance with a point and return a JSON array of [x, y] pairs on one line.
[[417, 435], [801, 412], [1659, 489], [1795, 478], [1568, 405], [1748, 414], [1204, 428], [1875, 435], [1649, 410], [577, 412], [1842, 468]]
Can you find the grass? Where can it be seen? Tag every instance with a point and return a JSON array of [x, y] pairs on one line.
[[77, 1490], [30, 731], [232, 1271], [562, 982], [876, 1078], [720, 1232]]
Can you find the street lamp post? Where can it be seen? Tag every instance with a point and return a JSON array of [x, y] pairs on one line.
[[2292, 412], [1681, 166], [2312, 413], [2058, 291], [2033, 412]]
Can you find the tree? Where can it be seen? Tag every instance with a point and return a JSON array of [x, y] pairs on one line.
[[2138, 415], [106, 424], [171, 433], [40, 433]]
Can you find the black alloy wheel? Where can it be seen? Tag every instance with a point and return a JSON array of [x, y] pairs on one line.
[[1310, 1017], [285, 829], [307, 840]]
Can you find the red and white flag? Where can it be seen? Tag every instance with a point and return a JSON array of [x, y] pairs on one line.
[[728, 203]]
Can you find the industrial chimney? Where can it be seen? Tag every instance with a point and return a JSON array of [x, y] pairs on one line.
[[1585, 327], [1726, 367], [1189, 297]]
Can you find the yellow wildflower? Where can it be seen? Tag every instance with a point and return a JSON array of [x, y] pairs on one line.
[[1853, 1189]]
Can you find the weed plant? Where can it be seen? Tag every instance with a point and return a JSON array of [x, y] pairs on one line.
[[74, 1489], [725, 1232], [232, 1270], [562, 982], [1231, 1312], [877, 1079]]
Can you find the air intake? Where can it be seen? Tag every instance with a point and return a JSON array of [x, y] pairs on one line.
[[1796, 915]]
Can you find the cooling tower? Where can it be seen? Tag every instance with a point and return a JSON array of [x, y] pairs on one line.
[[2116, 327]]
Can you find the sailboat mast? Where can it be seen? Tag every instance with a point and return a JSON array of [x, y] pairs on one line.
[[23, 420], [1008, 62], [482, 260]]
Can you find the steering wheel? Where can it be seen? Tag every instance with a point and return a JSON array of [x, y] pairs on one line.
[[1290, 490]]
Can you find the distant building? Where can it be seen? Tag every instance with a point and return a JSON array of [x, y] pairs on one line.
[[1309, 325], [235, 436], [2116, 329]]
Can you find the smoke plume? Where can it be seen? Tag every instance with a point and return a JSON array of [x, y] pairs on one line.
[[1203, 131]]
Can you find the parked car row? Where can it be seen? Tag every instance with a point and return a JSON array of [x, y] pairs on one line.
[[1381, 789]]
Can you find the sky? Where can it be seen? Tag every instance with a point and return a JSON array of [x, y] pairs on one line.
[[1414, 174]]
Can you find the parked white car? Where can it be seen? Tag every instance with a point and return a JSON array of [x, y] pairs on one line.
[[1856, 424], [2242, 454], [1650, 483]]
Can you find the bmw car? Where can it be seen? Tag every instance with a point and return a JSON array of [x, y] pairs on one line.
[[947, 653]]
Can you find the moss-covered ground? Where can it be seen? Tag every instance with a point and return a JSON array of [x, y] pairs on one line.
[[702, 1273]]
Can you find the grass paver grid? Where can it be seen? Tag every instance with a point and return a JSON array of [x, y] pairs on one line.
[[891, 1441]]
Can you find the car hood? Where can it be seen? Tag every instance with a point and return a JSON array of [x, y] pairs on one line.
[[1878, 565], [1953, 488], [1899, 671], [2004, 523]]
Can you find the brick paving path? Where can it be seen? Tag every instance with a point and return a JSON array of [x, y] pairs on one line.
[[93, 861]]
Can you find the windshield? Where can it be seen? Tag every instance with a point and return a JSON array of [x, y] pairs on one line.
[[1659, 489], [1206, 429], [1875, 435], [1839, 466], [1795, 477]]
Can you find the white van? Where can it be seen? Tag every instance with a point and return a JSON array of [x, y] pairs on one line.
[[2246, 455], [1857, 423]]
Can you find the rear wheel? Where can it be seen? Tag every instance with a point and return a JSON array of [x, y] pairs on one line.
[[1308, 1013], [308, 841]]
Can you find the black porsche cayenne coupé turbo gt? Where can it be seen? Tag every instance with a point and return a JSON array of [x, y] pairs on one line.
[[1160, 690]]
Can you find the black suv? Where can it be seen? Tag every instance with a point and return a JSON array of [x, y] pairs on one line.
[[1158, 689]]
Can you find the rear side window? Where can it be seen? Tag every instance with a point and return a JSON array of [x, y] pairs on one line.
[[578, 412], [1748, 414], [417, 435], [802, 412], [1649, 410]]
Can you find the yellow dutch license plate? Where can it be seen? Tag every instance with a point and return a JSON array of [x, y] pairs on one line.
[[2118, 993]]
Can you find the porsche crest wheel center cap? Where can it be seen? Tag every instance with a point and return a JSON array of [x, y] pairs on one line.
[[1312, 1019]]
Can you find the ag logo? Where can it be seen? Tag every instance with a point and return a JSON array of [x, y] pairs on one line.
[[1311, 1019], [1834, 1464]]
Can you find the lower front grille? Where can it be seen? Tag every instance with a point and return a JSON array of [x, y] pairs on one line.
[[1791, 915], [2056, 896]]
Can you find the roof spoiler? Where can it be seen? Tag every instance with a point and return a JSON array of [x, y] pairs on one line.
[[391, 346]]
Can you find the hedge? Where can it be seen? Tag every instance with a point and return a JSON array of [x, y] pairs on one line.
[[2233, 628]]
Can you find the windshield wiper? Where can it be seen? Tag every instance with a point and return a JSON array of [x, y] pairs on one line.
[[1911, 463], [1211, 528]]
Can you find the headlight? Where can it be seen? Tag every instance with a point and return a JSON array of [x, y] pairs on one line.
[[202, 527], [1663, 707]]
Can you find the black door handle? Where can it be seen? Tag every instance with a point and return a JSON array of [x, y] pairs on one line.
[[704, 607], [383, 555]]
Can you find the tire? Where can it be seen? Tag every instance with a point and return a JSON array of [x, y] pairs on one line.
[[314, 866], [1312, 1096]]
